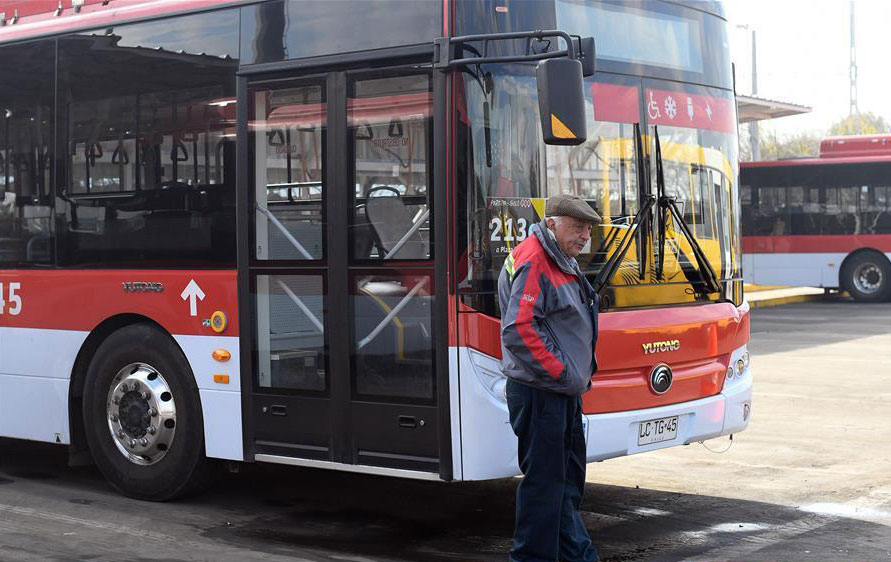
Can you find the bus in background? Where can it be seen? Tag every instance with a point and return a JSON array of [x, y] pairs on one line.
[[275, 236], [821, 222]]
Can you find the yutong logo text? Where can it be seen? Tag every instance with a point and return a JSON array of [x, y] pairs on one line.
[[143, 287], [661, 346]]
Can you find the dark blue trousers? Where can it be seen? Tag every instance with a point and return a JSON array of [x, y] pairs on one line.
[[551, 454]]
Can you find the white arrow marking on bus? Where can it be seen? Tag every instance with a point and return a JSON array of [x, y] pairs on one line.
[[192, 291]]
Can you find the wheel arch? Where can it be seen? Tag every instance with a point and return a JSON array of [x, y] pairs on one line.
[[78, 451], [858, 252]]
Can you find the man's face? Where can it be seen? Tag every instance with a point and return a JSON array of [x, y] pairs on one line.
[[571, 233]]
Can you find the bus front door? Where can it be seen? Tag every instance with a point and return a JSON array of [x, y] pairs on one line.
[[340, 270]]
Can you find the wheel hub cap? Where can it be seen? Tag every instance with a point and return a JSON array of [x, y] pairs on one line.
[[141, 414], [134, 414], [868, 278]]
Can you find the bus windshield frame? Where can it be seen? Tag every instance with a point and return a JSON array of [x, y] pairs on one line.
[[508, 172]]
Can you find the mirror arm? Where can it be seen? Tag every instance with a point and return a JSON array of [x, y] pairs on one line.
[[443, 48]]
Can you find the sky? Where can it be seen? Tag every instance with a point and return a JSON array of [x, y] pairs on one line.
[[803, 50]]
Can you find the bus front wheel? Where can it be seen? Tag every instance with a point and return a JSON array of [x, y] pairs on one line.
[[867, 277], [142, 415]]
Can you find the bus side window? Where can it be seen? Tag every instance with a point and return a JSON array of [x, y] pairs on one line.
[[26, 153], [849, 218], [149, 170], [831, 221], [875, 209], [801, 216], [745, 196], [102, 136], [770, 217]]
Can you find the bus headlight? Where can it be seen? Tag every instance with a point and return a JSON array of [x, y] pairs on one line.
[[738, 365]]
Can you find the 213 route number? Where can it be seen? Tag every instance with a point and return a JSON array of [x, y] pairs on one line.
[[505, 232], [15, 301]]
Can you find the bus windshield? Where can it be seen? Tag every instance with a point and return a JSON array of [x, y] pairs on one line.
[[658, 65], [510, 173]]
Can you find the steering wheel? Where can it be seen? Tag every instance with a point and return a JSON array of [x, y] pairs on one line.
[[383, 188]]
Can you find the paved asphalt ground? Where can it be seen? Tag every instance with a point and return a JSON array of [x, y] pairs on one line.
[[809, 480]]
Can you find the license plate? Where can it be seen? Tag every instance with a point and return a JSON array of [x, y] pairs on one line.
[[656, 431]]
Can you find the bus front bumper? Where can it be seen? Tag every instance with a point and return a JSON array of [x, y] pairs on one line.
[[625, 433]]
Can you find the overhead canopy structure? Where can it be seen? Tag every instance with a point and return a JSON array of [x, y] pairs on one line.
[[751, 108]]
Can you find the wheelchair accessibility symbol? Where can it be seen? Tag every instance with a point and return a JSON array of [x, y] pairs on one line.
[[653, 108]]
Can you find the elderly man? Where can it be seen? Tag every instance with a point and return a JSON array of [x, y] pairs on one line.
[[548, 335]]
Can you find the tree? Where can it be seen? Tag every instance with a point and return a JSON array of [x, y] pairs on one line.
[[800, 145], [860, 124]]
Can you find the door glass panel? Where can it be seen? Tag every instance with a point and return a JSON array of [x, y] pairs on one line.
[[393, 353], [290, 319], [389, 130], [287, 128]]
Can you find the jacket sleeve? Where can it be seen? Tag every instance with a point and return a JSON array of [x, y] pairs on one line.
[[523, 331]]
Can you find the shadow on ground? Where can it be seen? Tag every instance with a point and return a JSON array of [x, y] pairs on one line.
[[282, 510]]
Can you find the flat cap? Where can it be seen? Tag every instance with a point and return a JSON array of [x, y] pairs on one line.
[[566, 205]]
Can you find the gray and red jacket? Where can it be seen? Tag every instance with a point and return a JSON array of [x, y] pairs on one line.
[[548, 317]]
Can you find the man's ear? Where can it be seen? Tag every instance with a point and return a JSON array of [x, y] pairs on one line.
[[550, 223]]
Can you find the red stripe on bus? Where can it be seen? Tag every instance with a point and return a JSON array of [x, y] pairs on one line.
[[680, 109], [833, 161], [815, 244], [81, 300], [706, 334], [446, 12], [616, 103]]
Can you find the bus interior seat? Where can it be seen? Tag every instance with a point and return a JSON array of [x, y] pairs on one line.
[[39, 248], [391, 219], [363, 234]]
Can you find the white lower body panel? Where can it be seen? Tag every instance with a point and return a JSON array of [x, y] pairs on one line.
[[35, 371], [220, 403], [489, 446], [34, 408], [795, 269]]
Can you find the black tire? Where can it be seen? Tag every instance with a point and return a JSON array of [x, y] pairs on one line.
[[867, 277], [180, 467]]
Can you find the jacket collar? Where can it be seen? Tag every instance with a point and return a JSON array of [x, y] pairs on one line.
[[549, 243]]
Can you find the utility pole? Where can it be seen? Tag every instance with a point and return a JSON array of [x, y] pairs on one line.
[[753, 126], [853, 109]]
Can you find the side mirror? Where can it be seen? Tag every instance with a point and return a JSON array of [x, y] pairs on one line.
[[561, 101]]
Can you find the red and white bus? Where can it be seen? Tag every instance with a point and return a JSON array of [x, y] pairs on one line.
[[821, 222], [271, 231]]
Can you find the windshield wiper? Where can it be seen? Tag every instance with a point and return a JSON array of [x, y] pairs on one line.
[[708, 280], [639, 224], [612, 264]]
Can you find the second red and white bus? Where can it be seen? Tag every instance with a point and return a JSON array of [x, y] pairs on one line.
[[821, 222]]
